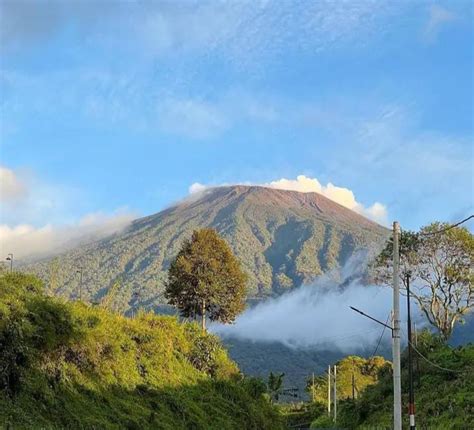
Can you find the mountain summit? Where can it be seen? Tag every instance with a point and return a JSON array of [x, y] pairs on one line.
[[283, 238]]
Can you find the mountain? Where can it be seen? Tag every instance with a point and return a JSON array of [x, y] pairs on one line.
[[283, 238]]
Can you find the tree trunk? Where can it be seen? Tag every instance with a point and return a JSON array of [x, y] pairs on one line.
[[203, 315]]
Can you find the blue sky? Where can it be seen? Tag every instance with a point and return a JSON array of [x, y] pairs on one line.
[[111, 110]]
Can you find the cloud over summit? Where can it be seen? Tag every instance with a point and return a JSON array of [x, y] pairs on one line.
[[303, 184]]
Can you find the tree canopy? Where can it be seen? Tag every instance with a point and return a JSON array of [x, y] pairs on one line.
[[206, 279], [439, 264]]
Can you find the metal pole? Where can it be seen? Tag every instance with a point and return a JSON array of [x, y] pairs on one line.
[[329, 391], [411, 401], [416, 334], [397, 389], [335, 393]]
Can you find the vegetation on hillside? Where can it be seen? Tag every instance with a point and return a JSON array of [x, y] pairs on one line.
[[282, 238], [354, 374], [444, 391], [205, 279], [71, 365]]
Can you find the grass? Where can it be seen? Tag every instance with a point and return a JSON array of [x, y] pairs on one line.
[[71, 365]]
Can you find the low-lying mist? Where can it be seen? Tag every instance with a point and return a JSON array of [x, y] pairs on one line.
[[318, 315]]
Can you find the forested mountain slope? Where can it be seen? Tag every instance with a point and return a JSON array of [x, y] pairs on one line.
[[283, 238]]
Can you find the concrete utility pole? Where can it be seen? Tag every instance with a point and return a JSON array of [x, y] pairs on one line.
[[397, 389], [329, 391], [335, 393], [80, 282], [411, 402]]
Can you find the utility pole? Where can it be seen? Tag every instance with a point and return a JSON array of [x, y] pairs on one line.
[[80, 283], [353, 386], [416, 334], [353, 380], [329, 391], [10, 259], [397, 389], [411, 401], [312, 388], [335, 392]]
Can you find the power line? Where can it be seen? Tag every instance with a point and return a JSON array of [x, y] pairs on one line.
[[447, 228], [433, 364], [381, 336], [428, 360]]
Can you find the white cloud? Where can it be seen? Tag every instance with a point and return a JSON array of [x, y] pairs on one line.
[[26, 240], [27, 199], [303, 184], [299, 319], [12, 188], [438, 17], [38, 218], [197, 188], [341, 195]]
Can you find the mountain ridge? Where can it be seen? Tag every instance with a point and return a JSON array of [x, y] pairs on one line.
[[284, 239]]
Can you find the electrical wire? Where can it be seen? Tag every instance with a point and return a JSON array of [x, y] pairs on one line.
[[447, 228], [381, 336], [428, 360]]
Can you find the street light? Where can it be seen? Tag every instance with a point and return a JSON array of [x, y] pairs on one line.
[[80, 283], [10, 259]]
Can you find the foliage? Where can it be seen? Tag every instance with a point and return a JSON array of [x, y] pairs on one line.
[[275, 385], [439, 266], [70, 365], [272, 232], [301, 414], [353, 372], [206, 279], [444, 399]]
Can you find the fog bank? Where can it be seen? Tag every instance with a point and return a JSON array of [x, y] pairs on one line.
[[318, 315]]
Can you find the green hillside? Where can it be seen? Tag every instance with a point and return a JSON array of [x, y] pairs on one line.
[[70, 365], [283, 239], [444, 391]]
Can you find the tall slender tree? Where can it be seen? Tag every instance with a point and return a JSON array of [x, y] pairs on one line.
[[206, 280]]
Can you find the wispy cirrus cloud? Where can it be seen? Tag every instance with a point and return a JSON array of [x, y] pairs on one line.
[[438, 17], [230, 27], [191, 118]]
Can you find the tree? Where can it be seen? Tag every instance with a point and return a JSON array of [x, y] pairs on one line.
[[354, 374], [439, 264], [275, 385], [205, 279]]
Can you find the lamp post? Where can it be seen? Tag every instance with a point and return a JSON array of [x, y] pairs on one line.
[[10, 259], [80, 283]]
